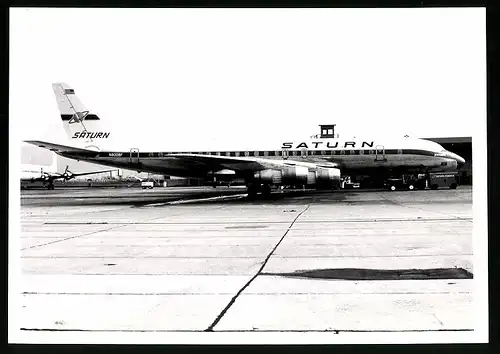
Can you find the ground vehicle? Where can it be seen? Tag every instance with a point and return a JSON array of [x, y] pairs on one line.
[[147, 184], [347, 183], [351, 185], [409, 182], [443, 179], [422, 181]]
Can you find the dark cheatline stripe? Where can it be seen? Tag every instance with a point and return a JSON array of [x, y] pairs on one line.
[[66, 117], [82, 154], [271, 153]]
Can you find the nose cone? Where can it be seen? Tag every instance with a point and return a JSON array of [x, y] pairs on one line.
[[460, 160]]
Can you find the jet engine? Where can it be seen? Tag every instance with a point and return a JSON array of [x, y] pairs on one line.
[[268, 176], [287, 175], [328, 177], [295, 175]]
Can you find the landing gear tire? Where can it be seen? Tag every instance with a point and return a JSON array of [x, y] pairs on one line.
[[50, 187], [252, 191], [453, 186], [392, 188], [411, 187], [434, 187]]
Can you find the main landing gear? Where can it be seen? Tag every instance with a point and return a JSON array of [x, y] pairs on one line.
[[254, 189], [50, 186]]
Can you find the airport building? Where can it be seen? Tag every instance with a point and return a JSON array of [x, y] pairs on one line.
[[463, 147]]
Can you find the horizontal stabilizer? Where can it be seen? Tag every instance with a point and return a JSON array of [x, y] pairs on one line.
[[56, 147]]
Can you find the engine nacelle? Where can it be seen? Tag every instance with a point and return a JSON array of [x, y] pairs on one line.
[[328, 176], [295, 175], [299, 175], [268, 176]]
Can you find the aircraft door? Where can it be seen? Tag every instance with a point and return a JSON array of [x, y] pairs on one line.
[[380, 153], [285, 154], [134, 155]]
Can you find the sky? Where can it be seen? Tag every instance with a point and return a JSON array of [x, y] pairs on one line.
[[188, 78]]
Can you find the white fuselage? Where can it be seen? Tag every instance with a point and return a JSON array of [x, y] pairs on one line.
[[347, 155]]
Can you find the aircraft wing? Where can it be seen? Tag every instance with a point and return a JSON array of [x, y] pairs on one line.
[[90, 173], [247, 164], [209, 162], [56, 147]]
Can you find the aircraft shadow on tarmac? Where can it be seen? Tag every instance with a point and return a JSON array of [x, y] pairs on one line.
[[288, 196], [190, 198], [379, 274]]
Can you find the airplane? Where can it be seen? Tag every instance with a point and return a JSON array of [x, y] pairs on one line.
[[36, 173], [317, 161]]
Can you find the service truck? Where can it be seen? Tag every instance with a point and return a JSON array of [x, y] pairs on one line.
[[433, 180], [443, 179]]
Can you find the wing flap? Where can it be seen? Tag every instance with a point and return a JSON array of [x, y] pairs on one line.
[[246, 163]]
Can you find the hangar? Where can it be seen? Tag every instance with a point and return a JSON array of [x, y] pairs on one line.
[[463, 147]]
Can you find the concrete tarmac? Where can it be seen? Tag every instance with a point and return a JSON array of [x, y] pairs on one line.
[[203, 259]]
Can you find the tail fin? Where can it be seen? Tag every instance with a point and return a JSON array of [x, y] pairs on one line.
[[78, 123]]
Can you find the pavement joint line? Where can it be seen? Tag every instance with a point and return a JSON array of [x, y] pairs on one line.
[[187, 201], [251, 294], [452, 217], [253, 237], [120, 225], [255, 257], [260, 222], [233, 300], [72, 237], [440, 322], [336, 331], [36, 273]]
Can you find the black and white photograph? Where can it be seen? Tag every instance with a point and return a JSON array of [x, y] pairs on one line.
[[257, 175]]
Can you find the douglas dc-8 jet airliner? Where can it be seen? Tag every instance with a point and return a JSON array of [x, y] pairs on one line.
[[317, 162]]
